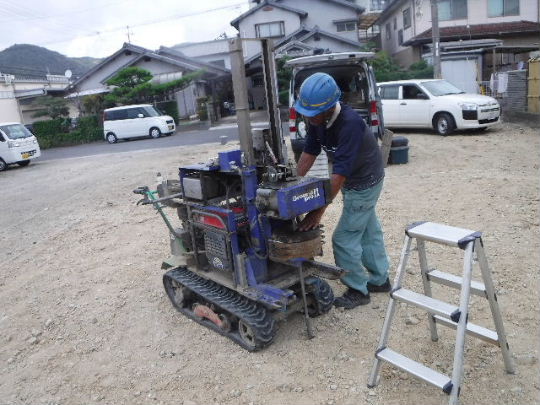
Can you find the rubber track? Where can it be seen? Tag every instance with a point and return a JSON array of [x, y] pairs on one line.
[[251, 313]]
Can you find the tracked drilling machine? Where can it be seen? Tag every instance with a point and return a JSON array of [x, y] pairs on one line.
[[239, 263]]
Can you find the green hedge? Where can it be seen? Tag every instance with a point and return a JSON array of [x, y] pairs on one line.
[[170, 108], [54, 133]]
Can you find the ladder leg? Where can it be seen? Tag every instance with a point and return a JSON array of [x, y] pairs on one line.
[[427, 285], [494, 306], [383, 340], [459, 351]]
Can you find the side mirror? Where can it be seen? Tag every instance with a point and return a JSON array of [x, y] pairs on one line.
[[140, 115], [422, 96]]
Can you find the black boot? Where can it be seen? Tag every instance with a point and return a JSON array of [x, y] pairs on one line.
[[386, 287], [351, 299]]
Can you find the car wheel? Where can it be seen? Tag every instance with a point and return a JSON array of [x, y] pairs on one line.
[[3, 165], [111, 138], [155, 132], [23, 163], [444, 124]]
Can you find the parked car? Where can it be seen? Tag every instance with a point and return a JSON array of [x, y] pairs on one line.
[[17, 145], [132, 121], [355, 78], [437, 104]]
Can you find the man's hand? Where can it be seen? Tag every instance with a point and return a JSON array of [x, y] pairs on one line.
[[312, 220]]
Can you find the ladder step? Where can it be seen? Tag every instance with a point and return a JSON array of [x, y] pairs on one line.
[[450, 280], [444, 234], [487, 335], [431, 305], [418, 370]]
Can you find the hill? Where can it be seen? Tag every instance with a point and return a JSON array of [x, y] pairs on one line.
[[36, 61]]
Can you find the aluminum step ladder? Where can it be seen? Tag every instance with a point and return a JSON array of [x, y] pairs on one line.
[[442, 313]]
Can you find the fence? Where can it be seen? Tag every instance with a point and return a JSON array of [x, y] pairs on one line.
[[533, 98]]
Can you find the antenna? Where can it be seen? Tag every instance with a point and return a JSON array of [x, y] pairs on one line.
[[128, 34]]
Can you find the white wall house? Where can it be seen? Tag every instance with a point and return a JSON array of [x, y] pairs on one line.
[[406, 24], [165, 65], [215, 52], [17, 94], [477, 37], [297, 27]]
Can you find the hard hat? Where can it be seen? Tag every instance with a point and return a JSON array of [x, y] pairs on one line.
[[318, 93]]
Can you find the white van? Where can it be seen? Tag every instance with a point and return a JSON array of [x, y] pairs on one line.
[[17, 145], [132, 121]]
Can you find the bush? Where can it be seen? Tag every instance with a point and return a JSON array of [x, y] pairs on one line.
[[49, 127], [170, 108], [53, 133]]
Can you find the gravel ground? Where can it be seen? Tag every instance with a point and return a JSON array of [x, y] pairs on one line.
[[84, 318]]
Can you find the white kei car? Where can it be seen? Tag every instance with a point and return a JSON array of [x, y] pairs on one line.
[[437, 104]]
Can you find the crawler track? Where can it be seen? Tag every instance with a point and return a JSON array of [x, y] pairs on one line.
[[249, 324]]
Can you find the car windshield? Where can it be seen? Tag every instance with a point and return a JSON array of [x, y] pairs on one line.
[[16, 131], [151, 111], [441, 88]]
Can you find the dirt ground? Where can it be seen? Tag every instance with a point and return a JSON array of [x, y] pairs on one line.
[[84, 318]]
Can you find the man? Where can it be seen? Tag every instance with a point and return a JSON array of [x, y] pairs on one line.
[[358, 171]]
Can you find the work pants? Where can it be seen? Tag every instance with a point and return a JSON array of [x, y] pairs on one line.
[[358, 240]]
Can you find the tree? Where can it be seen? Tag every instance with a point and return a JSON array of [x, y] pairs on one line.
[[93, 104], [284, 74], [133, 86], [54, 107]]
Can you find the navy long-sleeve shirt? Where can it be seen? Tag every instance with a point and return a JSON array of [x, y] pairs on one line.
[[351, 147]]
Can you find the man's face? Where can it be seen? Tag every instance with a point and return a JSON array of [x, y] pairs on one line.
[[321, 118]]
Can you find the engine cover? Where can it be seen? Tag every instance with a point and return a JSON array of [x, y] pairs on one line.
[[288, 199]]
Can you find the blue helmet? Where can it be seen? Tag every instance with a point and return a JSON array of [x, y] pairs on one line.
[[318, 93]]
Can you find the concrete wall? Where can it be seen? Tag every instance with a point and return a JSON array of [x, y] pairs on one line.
[[9, 110]]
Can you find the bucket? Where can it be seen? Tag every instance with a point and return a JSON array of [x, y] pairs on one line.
[[399, 151]]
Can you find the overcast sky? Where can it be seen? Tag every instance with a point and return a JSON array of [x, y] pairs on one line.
[[98, 27]]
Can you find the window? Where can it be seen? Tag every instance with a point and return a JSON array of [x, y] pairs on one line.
[[389, 92], [346, 26], [395, 23], [258, 81], [452, 9], [134, 113], [411, 92], [407, 18], [273, 29], [115, 115], [400, 37], [500, 8], [388, 32]]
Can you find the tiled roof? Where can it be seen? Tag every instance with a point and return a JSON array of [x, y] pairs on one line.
[[478, 31]]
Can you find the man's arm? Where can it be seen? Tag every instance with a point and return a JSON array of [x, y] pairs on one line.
[[304, 163], [313, 219]]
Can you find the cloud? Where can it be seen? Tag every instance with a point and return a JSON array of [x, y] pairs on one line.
[[98, 28]]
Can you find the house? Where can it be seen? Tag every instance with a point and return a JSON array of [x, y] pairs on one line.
[[17, 94], [297, 27], [165, 64], [215, 52], [477, 37]]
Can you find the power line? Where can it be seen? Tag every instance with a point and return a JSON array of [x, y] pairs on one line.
[[70, 13], [152, 22]]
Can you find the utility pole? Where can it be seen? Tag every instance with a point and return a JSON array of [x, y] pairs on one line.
[[435, 49]]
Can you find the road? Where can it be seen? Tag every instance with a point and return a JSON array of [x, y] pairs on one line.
[[195, 137]]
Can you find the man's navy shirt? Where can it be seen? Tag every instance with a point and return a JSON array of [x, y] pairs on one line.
[[351, 147]]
